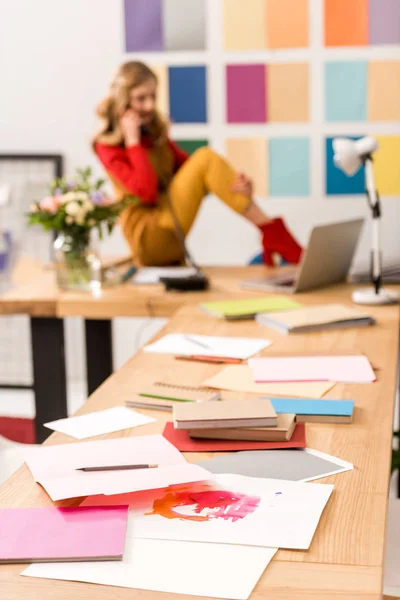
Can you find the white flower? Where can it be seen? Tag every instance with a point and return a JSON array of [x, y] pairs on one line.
[[73, 209], [69, 220], [81, 196], [80, 219], [68, 197], [88, 205], [33, 208], [91, 222]]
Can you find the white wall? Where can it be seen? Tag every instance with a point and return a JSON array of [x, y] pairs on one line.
[[56, 60]]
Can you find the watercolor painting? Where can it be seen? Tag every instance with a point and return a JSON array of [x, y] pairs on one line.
[[204, 505]]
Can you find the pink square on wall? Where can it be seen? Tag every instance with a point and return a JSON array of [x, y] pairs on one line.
[[246, 93]]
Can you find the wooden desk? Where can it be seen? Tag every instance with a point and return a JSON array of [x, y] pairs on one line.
[[346, 556]]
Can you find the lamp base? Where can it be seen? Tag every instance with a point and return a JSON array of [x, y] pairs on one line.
[[369, 296]]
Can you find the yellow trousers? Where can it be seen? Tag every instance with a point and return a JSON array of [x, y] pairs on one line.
[[150, 231]]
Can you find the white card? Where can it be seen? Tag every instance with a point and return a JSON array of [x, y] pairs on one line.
[[213, 570], [98, 423], [188, 344]]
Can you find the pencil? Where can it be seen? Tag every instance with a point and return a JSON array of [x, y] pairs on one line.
[[219, 360], [189, 338], [116, 468]]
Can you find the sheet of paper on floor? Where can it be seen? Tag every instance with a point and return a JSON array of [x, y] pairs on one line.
[[99, 423], [55, 467]]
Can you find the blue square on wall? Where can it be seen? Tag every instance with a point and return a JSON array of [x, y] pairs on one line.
[[346, 91], [289, 167], [338, 182], [188, 94]]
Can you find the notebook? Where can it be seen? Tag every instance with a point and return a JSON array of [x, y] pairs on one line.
[[345, 369], [315, 411], [179, 393], [224, 414], [62, 534], [283, 431], [315, 318], [181, 439], [247, 308]]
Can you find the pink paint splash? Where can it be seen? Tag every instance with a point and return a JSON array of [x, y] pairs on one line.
[[217, 504]]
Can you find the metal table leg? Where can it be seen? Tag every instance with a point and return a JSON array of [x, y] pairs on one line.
[[99, 359]]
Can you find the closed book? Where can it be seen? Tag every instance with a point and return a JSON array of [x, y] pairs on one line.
[[283, 432], [315, 318], [225, 414], [316, 411]]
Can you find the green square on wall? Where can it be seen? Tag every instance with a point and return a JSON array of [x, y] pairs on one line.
[[191, 146]]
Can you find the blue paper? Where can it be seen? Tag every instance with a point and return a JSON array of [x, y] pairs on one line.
[[304, 406], [338, 182], [346, 91], [188, 94], [289, 167]]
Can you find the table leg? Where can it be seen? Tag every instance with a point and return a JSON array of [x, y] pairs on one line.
[[99, 359], [49, 380]]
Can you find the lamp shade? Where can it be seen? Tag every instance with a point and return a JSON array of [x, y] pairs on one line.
[[349, 154]]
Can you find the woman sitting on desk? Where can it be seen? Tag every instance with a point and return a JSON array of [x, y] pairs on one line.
[[141, 160]]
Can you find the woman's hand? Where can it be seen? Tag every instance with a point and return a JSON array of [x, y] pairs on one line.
[[242, 185], [130, 125]]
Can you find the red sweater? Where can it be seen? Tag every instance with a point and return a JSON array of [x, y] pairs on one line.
[[132, 167]]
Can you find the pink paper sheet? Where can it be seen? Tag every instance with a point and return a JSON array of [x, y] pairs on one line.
[[54, 467], [56, 534], [345, 369]]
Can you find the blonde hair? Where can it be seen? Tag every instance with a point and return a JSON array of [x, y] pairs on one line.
[[110, 110]]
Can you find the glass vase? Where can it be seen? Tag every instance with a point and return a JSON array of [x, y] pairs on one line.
[[77, 263]]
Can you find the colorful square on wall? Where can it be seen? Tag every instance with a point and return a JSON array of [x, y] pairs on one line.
[[384, 90], [386, 165], [157, 25], [244, 29], [337, 183], [287, 23], [161, 72], [246, 94], [187, 94], [346, 91], [191, 146], [288, 92], [384, 21], [289, 167], [346, 22], [249, 156]]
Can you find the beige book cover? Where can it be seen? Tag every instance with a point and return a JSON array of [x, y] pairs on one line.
[[225, 413], [283, 432]]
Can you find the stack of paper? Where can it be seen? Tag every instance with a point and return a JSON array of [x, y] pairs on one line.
[[152, 275], [59, 534], [248, 308], [187, 345], [56, 468], [346, 369], [316, 318]]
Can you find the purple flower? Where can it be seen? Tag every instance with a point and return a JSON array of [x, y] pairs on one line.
[[97, 197]]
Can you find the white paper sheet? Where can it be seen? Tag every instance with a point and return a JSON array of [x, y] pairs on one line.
[[214, 570], [188, 344], [151, 275], [55, 467], [251, 511], [98, 423]]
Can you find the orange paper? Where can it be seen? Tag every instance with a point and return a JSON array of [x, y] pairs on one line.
[[384, 90], [244, 25], [288, 92], [249, 156], [287, 23], [386, 165], [346, 22]]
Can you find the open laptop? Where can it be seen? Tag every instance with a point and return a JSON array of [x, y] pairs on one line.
[[326, 260]]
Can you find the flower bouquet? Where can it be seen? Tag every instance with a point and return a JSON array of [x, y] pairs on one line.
[[74, 209]]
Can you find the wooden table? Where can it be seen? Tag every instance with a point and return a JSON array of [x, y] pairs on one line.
[[346, 556]]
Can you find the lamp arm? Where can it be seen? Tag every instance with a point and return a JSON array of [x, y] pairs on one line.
[[374, 203]]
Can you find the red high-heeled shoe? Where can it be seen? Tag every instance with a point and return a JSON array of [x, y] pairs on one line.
[[276, 238]]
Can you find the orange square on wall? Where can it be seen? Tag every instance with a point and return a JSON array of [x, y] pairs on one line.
[[288, 92], [346, 22], [384, 90], [287, 23]]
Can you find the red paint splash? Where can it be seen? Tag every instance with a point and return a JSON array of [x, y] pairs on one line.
[[217, 504]]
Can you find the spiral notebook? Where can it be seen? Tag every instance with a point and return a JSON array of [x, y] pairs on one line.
[[178, 393]]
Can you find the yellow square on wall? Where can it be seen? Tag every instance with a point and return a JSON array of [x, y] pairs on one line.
[[287, 23], [387, 165], [287, 92], [250, 156], [244, 25], [384, 90]]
